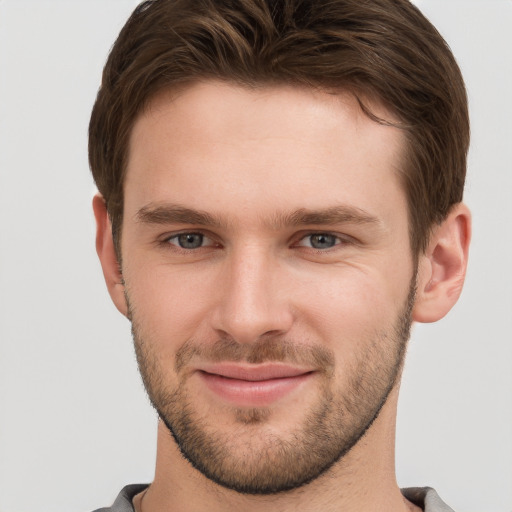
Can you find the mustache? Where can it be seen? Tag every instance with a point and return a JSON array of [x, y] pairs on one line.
[[264, 350]]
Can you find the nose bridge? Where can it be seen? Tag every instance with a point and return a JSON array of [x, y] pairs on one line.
[[252, 302]]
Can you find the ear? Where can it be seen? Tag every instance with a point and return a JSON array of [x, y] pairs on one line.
[[107, 254], [442, 268]]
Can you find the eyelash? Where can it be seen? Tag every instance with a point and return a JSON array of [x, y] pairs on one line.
[[167, 240], [335, 238], [338, 240]]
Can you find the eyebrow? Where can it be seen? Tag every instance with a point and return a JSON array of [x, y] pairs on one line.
[[342, 214], [178, 214]]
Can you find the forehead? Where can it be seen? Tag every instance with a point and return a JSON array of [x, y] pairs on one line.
[[214, 143]]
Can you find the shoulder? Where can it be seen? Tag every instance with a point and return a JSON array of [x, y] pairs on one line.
[[123, 502], [426, 498]]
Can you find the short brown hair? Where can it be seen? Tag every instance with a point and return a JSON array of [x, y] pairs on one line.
[[380, 49]]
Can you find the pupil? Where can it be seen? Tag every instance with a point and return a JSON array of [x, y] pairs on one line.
[[322, 241], [190, 240]]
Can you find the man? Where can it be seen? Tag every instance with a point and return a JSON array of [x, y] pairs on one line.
[[280, 198]]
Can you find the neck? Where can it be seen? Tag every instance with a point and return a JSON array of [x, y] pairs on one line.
[[364, 480]]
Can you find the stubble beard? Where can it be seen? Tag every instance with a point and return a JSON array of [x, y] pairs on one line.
[[251, 458]]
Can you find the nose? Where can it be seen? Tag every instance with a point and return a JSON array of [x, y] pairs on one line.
[[253, 298]]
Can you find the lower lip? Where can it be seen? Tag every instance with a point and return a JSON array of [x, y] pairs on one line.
[[253, 393]]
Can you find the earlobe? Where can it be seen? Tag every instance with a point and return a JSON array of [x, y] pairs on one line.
[[107, 254], [442, 268]]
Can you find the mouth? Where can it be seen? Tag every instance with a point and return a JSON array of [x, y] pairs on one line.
[[248, 385]]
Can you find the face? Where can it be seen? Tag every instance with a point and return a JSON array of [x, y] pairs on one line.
[[268, 276]]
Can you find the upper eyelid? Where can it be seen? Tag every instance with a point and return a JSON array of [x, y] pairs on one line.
[[206, 234], [343, 237], [339, 240], [168, 242], [295, 238]]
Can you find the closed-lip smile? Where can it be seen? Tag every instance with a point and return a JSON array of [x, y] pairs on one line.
[[252, 385]]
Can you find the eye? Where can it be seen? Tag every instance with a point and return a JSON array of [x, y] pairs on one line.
[[189, 240], [320, 241]]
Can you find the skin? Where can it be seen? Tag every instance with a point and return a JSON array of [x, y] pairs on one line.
[[251, 159]]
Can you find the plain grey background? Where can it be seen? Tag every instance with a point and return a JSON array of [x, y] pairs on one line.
[[75, 425]]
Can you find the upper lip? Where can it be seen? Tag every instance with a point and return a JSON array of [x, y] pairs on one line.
[[253, 372]]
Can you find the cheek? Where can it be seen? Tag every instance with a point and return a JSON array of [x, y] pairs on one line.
[[351, 305], [170, 302], [338, 306]]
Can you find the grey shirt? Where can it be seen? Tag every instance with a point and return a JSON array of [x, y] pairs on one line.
[[424, 497]]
